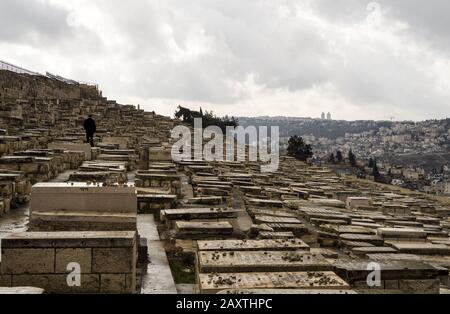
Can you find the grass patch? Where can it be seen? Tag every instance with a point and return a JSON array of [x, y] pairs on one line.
[[183, 271]]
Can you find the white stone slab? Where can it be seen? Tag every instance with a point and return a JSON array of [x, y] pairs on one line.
[[86, 148], [83, 197]]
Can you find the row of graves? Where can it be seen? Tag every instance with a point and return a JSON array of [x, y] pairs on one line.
[[83, 203], [305, 230], [28, 159], [85, 225], [402, 235], [238, 243], [82, 233]]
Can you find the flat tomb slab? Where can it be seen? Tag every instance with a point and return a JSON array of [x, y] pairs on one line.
[[297, 229], [372, 239], [198, 213], [213, 283], [85, 148], [80, 196], [264, 203], [253, 245], [82, 221], [373, 250], [207, 200], [276, 235], [353, 271], [347, 229], [258, 261], [420, 248], [21, 290], [402, 233], [69, 239], [273, 219], [271, 212], [204, 227]]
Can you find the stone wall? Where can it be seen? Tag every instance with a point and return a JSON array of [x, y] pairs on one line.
[[107, 261]]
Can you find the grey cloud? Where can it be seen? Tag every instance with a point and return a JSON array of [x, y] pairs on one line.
[[198, 51], [32, 21]]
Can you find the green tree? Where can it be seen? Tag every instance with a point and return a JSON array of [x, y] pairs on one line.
[[332, 160], [339, 156], [299, 149], [352, 158], [375, 172], [370, 162], [208, 118]]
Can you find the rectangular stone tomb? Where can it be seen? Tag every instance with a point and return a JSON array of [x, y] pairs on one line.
[[154, 203], [372, 239], [271, 212], [310, 213], [109, 178], [253, 245], [297, 229], [83, 197], [206, 200], [82, 207], [85, 148], [106, 260], [355, 202], [357, 271], [62, 220], [264, 203], [363, 251], [420, 248], [276, 235], [203, 228], [402, 233], [272, 219], [347, 229], [260, 261], [214, 283], [198, 213], [328, 202]]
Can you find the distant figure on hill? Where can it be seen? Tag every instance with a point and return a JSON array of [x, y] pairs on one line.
[[91, 128]]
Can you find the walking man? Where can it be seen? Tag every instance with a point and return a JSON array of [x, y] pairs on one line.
[[90, 128]]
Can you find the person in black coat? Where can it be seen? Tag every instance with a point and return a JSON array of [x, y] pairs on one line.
[[90, 128]]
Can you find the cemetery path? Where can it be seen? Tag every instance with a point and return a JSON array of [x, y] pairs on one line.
[[158, 279], [243, 222]]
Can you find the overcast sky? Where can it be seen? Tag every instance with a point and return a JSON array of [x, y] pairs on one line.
[[354, 58]]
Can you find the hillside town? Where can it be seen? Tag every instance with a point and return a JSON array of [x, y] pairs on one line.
[[414, 155]]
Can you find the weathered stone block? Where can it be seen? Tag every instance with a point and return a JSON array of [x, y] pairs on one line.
[[114, 283], [426, 286], [85, 148], [5, 280], [112, 261], [28, 261]]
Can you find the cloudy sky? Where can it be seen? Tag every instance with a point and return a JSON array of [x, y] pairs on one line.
[[354, 58]]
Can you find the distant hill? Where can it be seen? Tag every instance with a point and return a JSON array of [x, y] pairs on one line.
[[331, 129]]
